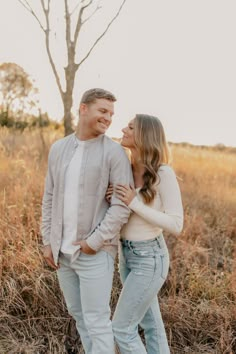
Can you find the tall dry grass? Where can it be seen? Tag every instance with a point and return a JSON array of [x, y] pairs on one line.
[[198, 299]]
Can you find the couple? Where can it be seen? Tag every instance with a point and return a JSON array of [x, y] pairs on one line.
[[83, 219]]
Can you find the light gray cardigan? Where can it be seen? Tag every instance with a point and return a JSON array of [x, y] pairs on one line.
[[104, 161]]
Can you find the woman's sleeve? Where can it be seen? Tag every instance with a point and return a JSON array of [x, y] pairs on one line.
[[171, 219]]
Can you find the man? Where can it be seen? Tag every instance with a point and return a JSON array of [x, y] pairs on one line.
[[79, 228]]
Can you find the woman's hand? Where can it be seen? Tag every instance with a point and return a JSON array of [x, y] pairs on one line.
[[109, 193], [125, 193]]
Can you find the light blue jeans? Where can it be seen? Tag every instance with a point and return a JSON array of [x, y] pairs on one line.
[[86, 284], [143, 267]]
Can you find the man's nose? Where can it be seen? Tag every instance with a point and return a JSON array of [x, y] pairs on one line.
[[108, 117]]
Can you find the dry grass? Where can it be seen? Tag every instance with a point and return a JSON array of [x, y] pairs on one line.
[[198, 300]]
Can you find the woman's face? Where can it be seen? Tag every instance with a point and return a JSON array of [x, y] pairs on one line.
[[128, 135]]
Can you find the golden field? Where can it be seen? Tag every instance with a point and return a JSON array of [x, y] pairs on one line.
[[198, 301]]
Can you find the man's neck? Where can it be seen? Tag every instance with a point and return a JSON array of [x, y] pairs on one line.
[[82, 134]]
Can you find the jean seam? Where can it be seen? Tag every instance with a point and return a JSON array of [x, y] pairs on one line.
[[109, 264], [138, 302], [162, 267], [153, 318]]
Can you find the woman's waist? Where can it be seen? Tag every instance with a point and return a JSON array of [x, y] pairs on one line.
[[139, 231], [157, 241]]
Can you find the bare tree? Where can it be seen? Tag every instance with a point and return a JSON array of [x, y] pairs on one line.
[[83, 10]]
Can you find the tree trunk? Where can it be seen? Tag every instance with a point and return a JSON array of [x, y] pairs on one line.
[[67, 102]]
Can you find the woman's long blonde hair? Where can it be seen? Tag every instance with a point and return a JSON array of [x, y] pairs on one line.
[[153, 149]]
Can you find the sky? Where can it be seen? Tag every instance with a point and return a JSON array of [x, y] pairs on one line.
[[168, 58]]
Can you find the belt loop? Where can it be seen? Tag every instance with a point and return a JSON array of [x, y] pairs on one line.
[[158, 242]]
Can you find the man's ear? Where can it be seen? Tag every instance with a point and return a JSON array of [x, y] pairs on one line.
[[83, 108]]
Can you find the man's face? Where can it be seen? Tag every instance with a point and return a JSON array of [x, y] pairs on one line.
[[97, 116]]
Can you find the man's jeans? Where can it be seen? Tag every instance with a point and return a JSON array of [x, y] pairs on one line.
[[143, 269], [86, 284]]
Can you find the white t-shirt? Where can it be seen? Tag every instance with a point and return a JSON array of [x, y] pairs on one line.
[[71, 200], [165, 212]]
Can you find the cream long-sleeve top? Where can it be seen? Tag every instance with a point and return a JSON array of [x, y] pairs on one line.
[[164, 213]]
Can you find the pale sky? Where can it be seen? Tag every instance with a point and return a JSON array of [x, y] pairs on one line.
[[175, 59]]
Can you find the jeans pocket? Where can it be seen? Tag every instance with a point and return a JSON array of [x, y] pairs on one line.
[[164, 265]]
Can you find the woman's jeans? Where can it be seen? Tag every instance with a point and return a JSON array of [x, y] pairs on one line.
[[143, 269], [86, 284]]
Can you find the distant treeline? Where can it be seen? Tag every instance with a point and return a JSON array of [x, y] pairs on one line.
[[10, 120], [218, 147]]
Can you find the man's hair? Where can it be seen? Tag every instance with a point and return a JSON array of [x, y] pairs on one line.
[[91, 95]]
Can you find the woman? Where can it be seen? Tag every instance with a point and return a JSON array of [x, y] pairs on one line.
[[156, 205]]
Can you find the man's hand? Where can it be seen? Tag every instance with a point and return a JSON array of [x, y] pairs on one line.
[[84, 247], [47, 255]]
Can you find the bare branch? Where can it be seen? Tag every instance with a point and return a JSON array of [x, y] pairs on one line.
[[68, 26], [79, 21], [23, 4], [43, 6], [47, 32], [88, 18], [88, 4], [103, 34], [75, 8], [30, 9], [78, 25]]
